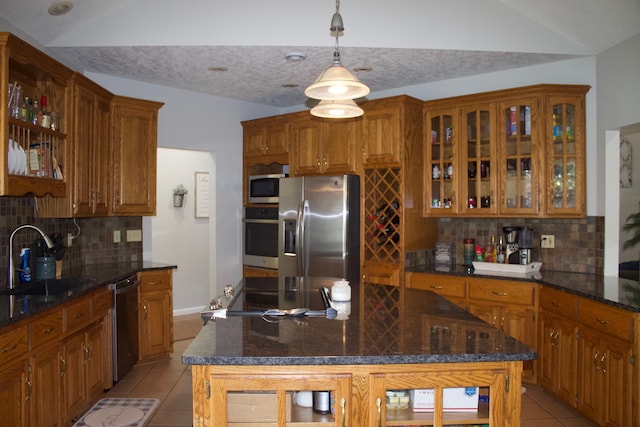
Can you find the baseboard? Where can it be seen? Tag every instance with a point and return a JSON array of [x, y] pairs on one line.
[[191, 310]]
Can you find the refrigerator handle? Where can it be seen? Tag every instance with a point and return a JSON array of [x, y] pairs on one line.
[[300, 241]]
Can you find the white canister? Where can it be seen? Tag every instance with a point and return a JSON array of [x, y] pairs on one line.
[[341, 291]]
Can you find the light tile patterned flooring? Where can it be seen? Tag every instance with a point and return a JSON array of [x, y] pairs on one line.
[[170, 381]]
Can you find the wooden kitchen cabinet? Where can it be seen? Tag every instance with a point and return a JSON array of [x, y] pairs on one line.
[[133, 162], [587, 357], [382, 135], [15, 379], [42, 170], [322, 146], [91, 174], [391, 189], [442, 169], [516, 153], [453, 288], [46, 367], [266, 138], [155, 314]]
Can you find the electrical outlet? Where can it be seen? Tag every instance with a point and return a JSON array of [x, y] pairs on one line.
[[70, 238], [116, 236], [547, 241], [134, 235]]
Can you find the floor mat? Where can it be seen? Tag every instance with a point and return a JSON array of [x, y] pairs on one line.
[[119, 412]]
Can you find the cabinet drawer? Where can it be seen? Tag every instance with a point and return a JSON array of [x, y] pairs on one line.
[[46, 328], [101, 303], [77, 314], [13, 343], [441, 284], [155, 280], [559, 302], [502, 291], [606, 319]]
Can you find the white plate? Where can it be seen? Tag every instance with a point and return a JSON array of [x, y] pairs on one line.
[[23, 163], [12, 157]]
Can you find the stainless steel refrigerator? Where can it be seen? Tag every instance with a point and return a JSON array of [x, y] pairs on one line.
[[319, 227]]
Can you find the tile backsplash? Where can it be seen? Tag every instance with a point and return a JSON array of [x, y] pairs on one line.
[[579, 243], [93, 242]]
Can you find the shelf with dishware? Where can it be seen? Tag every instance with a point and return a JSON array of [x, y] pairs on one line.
[[34, 101]]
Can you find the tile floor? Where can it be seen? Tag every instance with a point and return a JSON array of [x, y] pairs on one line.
[[170, 381]]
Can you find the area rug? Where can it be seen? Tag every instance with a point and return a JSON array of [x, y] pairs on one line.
[[119, 412]]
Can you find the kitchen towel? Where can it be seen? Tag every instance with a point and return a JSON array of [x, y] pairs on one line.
[[119, 412]]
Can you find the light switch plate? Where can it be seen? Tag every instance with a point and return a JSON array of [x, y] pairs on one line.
[[134, 235]]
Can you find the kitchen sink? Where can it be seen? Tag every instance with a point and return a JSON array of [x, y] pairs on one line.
[[47, 287]]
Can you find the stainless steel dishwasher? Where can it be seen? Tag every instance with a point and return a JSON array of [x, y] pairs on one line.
[[125, 325]]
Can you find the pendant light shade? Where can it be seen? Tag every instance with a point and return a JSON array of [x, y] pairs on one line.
[[338, 109], [337, 82]]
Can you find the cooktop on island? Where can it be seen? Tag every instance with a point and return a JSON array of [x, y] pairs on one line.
[[274, 296]]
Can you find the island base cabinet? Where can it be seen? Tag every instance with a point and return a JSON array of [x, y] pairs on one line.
[[359, 394]]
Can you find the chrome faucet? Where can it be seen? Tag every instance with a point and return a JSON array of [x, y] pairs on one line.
[[11, 267]]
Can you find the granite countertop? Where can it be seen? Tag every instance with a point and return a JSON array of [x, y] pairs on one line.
[[618, 292], [379, 330], [14, 308]]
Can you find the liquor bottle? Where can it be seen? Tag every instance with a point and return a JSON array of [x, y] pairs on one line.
[[501, 251], [490, 250], [45, 121], [37, 114]]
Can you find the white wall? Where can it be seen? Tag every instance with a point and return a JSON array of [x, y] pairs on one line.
[[178, 237], [194, 121], [618, 106]]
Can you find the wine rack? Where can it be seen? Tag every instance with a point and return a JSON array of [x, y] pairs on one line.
[[383, 215]]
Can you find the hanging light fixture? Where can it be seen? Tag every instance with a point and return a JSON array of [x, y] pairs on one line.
[[337, 82], [337, 109]]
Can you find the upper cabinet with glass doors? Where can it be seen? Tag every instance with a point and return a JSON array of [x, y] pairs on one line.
[[518, 158], [518, 153], [441, 163]]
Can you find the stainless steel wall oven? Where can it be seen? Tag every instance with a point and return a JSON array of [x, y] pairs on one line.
[[261, 237]]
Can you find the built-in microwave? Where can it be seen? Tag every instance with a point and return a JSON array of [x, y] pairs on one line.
[[261, 237], [264, 188]]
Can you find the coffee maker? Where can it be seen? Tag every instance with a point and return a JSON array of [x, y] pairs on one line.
[[519, 243], [511, 238], [525, 245]]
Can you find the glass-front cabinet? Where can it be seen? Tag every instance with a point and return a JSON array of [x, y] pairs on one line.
[[564, 140], [518, 153], [441, 162], [478, 155]]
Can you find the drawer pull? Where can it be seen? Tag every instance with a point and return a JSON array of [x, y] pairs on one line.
[[77, 315], [436, 287], [48, 330], [602, 322], [500, 294], [555, 304], [8, 349]]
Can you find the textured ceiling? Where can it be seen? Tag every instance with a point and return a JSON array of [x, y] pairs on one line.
[[404, 43]]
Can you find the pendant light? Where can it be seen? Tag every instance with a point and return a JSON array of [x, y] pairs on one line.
[[337, 109], [337, 82]]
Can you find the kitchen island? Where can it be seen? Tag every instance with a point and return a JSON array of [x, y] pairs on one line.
[[385, 339]]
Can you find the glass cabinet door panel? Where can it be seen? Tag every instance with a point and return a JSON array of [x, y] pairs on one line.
[[478, 156], [441, 180], [519, 174], [566, 168]]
